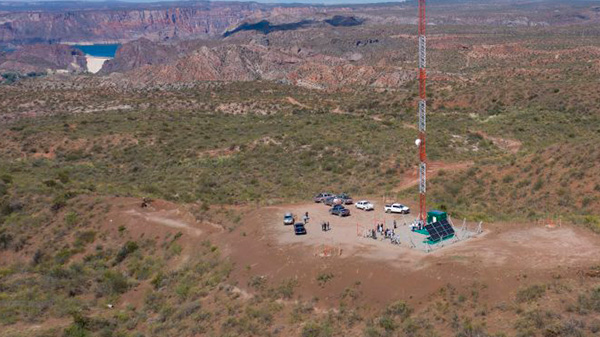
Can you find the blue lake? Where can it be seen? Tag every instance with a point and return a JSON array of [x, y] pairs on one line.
[[99, 50]]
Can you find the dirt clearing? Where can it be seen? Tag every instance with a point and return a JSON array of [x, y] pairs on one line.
[[498, 258]]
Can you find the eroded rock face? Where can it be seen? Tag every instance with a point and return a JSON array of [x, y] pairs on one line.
[[156, 23], [257, 62], [43, 58]]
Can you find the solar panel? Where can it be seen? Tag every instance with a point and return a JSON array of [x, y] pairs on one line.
[[439, 230], [447, 227], [434, 238]]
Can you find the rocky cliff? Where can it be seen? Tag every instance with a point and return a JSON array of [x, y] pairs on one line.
[[43, 58], [162, 23]]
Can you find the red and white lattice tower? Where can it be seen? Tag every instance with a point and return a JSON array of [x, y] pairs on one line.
[[422, 115]]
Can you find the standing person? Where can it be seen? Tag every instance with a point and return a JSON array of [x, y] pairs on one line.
[[328, 226], [305, 218], [395, 224]]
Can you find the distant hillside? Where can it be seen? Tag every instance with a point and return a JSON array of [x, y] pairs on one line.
[[27, 23], [561, 180]]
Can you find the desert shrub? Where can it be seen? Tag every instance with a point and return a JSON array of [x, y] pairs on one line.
[[60, 200], [187, 310], [3, 189], [589, 301], [387, 323], [591, 221], [175, 248], [128, 248], [6, 179], [531, 293], [372, 331], [143, 267], [286, 289], [113, 283], [85, 326], [84, 238], [538, 184], [157, 280], [595, 326], [314, 329], [470, 329], [63, 255], [399, 309], [5, 240], [37, 257], [257, 282], [75, 330], [568, 328], [323, 278], [63, 176], [533, 319]]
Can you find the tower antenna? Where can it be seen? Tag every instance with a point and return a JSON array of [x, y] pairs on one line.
[[422, 115]]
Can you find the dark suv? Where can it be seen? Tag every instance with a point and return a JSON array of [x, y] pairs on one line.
[[299, 229], [339, 210]]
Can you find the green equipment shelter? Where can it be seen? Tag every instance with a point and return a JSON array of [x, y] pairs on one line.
[[436, 216]]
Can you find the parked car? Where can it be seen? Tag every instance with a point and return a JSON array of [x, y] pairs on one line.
[[288, 219], [344, 199], [329, 201], [365, 205], [396, 208], [299, 229], [321, 197], [339, 210]]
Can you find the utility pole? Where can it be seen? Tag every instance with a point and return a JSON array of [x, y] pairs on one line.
[[422, 115]]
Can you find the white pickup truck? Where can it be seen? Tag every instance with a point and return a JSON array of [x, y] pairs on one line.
[[396, 208]]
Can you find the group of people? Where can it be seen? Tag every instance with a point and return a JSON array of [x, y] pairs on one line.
[[386, 232]]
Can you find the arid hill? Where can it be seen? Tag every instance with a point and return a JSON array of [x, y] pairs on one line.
[[43, 58], [247, 63]]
